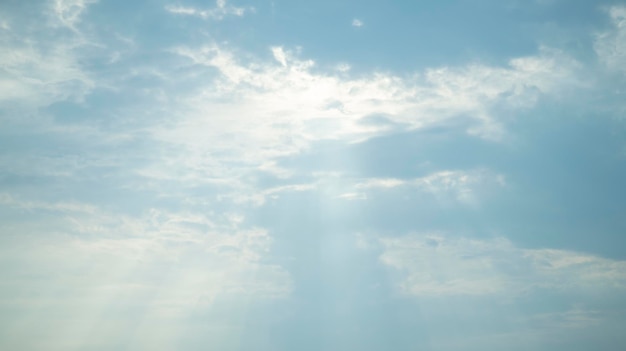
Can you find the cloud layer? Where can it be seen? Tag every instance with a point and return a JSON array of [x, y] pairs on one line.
[[172, 179]]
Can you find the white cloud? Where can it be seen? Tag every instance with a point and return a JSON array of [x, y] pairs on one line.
[[79, 260], [357, 23], [258, 198], [476, 89], [353, 196], [68, 12], [447, 187], [460, 186], [280, 55], [35, 72], [34, 78], [293, 95], [381, 183], [237, 114], [219, 12], [280, 107], [440, 265], [610, 46]]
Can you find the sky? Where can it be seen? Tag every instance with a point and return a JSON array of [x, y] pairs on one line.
[[323, 175]]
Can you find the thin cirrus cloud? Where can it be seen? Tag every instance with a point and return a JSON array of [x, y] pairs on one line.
[[221, 10], [460, 185], [609, 45], [439, 265], [69, 12], [38, 72]]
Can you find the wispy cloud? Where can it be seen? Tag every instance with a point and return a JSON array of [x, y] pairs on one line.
[[610, 46], [452, 187], [152, 185], [381, 183], [221, 10], [440, 265], [69, 12], [352, 196], [36, 78], [285, 105], [208, 256], [37, 72]]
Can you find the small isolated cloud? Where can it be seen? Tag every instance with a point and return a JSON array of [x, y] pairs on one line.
[[280, 55], [381, 183], [221, 10], [353, 196], [357, 23]]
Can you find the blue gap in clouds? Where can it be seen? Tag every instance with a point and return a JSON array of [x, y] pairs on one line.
[[410, 35], [403, 35]]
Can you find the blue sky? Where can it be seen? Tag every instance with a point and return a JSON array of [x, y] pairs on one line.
[[297, 175]]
